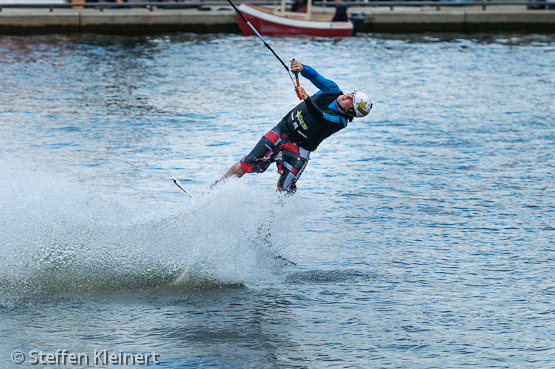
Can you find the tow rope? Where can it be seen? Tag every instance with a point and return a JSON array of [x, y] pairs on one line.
[[270, 48]]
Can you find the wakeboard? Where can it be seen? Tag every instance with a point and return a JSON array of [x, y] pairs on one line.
[[181, 187]]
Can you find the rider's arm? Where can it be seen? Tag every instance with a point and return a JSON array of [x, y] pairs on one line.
[[326, 86]]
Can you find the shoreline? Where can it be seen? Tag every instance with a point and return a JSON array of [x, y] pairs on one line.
[[473, 19]]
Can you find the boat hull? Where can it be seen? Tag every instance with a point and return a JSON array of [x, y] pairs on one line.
[[275, 25]]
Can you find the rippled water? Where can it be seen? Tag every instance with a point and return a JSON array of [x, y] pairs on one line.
[[424, 234]]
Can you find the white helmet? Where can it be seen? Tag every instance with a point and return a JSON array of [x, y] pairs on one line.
[[361, 104]]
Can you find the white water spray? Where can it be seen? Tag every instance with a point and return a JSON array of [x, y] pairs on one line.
[[59, 238]]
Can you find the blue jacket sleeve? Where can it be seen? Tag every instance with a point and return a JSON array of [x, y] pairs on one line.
[[326, 86]]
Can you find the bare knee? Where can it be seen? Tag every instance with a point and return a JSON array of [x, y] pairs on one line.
[[235, 171]]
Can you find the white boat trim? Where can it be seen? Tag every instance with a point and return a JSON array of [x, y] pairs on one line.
[[292, 22]]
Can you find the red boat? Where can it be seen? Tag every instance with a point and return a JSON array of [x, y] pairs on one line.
[[268, 21]]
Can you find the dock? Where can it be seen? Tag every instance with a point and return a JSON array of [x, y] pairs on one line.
[[220, 18]]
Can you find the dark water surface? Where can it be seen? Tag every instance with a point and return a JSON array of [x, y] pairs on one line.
[[424, 234]]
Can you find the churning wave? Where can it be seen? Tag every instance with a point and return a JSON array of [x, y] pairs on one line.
[[61, 239]]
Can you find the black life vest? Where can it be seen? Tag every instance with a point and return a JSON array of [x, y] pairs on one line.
[[310, 122]]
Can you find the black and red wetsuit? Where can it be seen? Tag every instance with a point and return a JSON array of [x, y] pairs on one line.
[[301, 131]]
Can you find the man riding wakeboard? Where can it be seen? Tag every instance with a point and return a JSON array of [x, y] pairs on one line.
[[290, 143]]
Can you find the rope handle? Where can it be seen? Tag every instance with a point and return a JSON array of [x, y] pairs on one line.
[[297, 90]]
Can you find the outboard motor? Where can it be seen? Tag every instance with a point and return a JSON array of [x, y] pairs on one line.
[[357, 19]]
